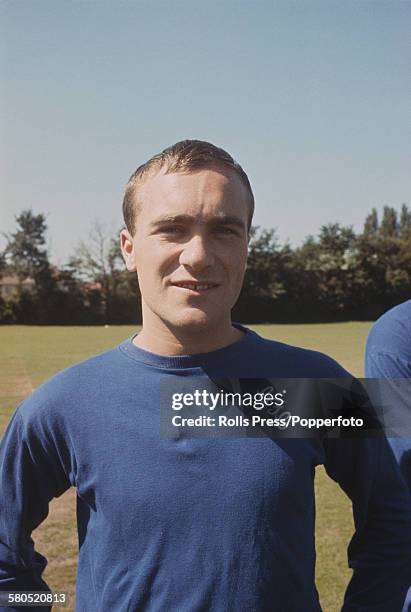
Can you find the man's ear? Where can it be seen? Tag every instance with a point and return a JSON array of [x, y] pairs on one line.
[[127, 250]]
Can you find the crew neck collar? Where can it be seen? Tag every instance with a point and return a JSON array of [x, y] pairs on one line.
[[189, 361]]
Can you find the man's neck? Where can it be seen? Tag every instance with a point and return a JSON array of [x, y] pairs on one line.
[[164, 341]]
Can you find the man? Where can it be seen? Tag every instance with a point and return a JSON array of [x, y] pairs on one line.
[[388, 358], [181, 524]]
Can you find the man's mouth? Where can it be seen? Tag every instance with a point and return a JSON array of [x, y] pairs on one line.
[[195, 286]]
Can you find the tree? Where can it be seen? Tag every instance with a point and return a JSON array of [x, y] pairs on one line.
[[384, 263], [326, 270], [266, 279], [26, 253], [389, 222], [265, 261], [371, 224], [98, 264], [26, 257], [405, 222]]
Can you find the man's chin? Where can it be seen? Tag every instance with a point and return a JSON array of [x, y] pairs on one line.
[[194, 322]]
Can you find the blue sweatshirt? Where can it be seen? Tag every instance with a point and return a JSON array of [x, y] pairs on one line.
[[388, 352], [388, 356], [192, 525]]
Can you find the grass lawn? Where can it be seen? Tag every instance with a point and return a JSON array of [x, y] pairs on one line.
[[30, 355]]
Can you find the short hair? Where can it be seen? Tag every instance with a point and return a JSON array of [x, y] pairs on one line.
[[185, 156]]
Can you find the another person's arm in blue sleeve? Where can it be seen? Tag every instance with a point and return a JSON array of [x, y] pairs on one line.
[[380, 364], [33, 470], [380, 550], [388, 360], [392, 391]]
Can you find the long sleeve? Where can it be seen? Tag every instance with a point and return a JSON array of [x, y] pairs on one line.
[[380, 550], [393, 391], [388, 360], [31, 473]]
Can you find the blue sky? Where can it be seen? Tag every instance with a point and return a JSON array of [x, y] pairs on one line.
[[311, 97]]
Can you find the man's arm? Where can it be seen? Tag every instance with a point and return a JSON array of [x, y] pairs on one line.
[[380, 550], [387, 358], [32, 472], [392, 392]]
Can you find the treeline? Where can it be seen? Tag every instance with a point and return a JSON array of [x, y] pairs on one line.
[[337, 275]]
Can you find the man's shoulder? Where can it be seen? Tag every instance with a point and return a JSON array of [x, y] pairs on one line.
[[391, 333], [69, 387], [98, 365], [298, 362], [388, 349]]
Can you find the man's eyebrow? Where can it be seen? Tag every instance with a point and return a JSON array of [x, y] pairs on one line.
[[227, 220], [171, 219], [217, 220]]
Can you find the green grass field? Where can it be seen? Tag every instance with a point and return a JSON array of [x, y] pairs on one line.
[[29, 355]]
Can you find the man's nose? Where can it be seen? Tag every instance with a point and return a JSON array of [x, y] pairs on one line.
[[197, 253]]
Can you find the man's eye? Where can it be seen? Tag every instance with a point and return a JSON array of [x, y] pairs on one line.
[[172, 229], [226, 231]]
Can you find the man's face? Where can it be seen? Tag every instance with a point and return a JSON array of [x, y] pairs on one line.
[[189, 248]]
